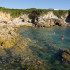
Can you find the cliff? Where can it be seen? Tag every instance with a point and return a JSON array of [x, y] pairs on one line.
[[7, 19], [5, 16], [39, 17], [50, 19]]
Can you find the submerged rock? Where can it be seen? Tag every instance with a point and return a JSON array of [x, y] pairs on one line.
[[66, 55], [21, 56]]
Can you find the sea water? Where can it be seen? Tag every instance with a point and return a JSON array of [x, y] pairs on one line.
[[47, 45]]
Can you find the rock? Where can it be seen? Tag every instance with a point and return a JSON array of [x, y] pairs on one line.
[[45, 20], [5, 16], [52, 22], [25, 17], [66, 55], [21, 21], [50, 19], [6, 19], [8, 39]]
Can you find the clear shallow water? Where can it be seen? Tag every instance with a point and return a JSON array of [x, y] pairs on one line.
[[47, 45]]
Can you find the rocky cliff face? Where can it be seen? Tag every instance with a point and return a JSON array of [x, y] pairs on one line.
[[50, 19], [45, 20], [22, 20], [5, 16]]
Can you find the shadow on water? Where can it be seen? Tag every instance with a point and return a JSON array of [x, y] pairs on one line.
[[8, 52], [57, 56], [58, 63]]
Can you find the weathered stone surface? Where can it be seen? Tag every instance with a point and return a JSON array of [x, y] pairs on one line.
[[52, 22], [66, 55], [8, 39], [46, 24], [21, 56], [20, 21], [25, 17], [5, 16], [50, 19], [45, 20]]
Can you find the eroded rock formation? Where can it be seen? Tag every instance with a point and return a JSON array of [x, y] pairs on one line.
[[5, 16], [8, 36], [20, 21], [45, 20], [50, 19], [66, 55]]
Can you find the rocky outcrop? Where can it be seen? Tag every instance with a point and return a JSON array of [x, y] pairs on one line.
[[50, 19], [66, 55], [8, 36], [5, 17], [20, 21], [45, 20], [22, 57], [25, 18]]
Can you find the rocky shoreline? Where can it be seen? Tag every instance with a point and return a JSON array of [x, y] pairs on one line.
[[8, 36], [15, 52], [46, 20], [7, 24], [66, 55]]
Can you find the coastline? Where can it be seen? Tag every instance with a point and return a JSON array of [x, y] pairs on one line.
[[16, 49], [19, 52]]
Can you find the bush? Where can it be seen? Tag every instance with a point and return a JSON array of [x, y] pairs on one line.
[[36, 12], [69, 13], [59, 13]]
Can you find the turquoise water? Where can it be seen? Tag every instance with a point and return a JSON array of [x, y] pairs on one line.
[[47, 45]]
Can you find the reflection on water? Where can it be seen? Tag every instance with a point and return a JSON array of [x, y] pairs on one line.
[[47, 44]]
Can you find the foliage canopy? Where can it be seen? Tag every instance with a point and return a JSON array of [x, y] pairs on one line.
[[36, 12]]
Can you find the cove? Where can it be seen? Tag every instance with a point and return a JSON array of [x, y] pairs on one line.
[[47, 45]]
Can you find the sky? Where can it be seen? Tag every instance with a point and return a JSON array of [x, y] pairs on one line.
[[39, 4]]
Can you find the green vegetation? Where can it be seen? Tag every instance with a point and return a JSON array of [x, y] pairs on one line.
[[35, 12], [16, 12], [39, 12], [59, 13], [69, 14]]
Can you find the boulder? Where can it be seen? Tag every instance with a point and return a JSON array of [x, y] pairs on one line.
[[66, 55], [8, 39]]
